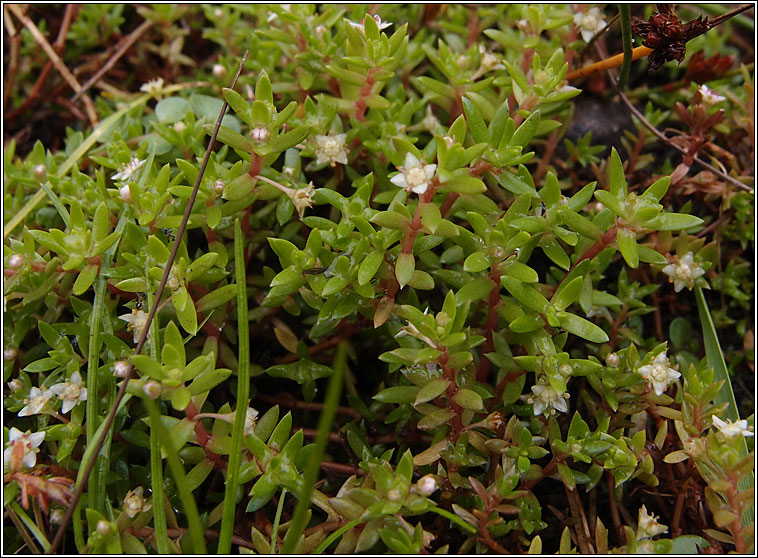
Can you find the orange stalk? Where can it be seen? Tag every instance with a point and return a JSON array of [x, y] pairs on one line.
[[612, 62]]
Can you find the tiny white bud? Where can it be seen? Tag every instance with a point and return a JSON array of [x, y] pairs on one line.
[[612, 360], [320, 29], [56, 516], [15, 384], [152, 389], [219, 71], [218, 186], [120, 368], [179, 126], [15, 261], [426, 485], [125, 193], [103, 527], [40, 171], [394, 495], [259, 134], [173, 283], [218, 12], [565, 370]]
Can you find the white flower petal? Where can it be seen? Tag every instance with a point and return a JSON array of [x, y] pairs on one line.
[[420, 188], [399, 180], [411, 161], [429, 171]]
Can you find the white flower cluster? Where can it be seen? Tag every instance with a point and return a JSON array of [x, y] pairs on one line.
[[71, 392], [22, 449], [732, 429], [589, 22], [659, 374], [547, 399], [683, 272], [415, 175]]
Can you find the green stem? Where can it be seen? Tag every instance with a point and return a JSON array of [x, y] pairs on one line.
[[97, 482], [31, 525], [277, 519], [195, 528], [454, 518], [156, 473], [333, 393], [626, 41], [337, 534], [243, 393]]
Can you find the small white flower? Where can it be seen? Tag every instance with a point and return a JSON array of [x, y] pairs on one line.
[[179, 126], [251, 416], [659, 374], [415, 175], [379, 23], [15, 384], [137, 321], [303, 198], [683, 272], [56, 516], [218, 70], [648, 526], [71, 392], [589, 22], [612, 360], [22, 449], [259, 134], [731, 429], [127, 171], [320, 29], [39, 171], [710, 97], [331, 149], [154, 87], [36, 402], [546, 397], [135, 503]]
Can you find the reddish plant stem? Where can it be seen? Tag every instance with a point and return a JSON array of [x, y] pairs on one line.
[[256, 164], [452, 389], [550, 145], [148, 532], [607, 239], [489, 329], [448, 203], [360, 104], [203, 438], [305, 405]]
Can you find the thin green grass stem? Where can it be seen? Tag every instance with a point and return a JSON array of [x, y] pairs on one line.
[[156, 473], [715, 359], [336, 535], [243, 393], [277, 520], [626, 42], [325, 423]]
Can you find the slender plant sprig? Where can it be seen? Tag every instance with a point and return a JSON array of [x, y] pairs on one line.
[[73, 159], [243, 393], [122, 390], [715, 359], [626, 40], [333, 393]]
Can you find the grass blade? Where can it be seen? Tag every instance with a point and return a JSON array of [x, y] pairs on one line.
[[243, 392], [333, 393], [715, 359]]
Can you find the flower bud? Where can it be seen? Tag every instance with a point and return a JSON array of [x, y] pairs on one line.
[[56, 516], [152, 389], [40, 171], [125, 193], [16, 261], [219, 71], [394, 495], [612, 360], [259, 134], [15, 384], [120, 368], [103, 528], [426, 485], [218, 187], [179, 126]]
